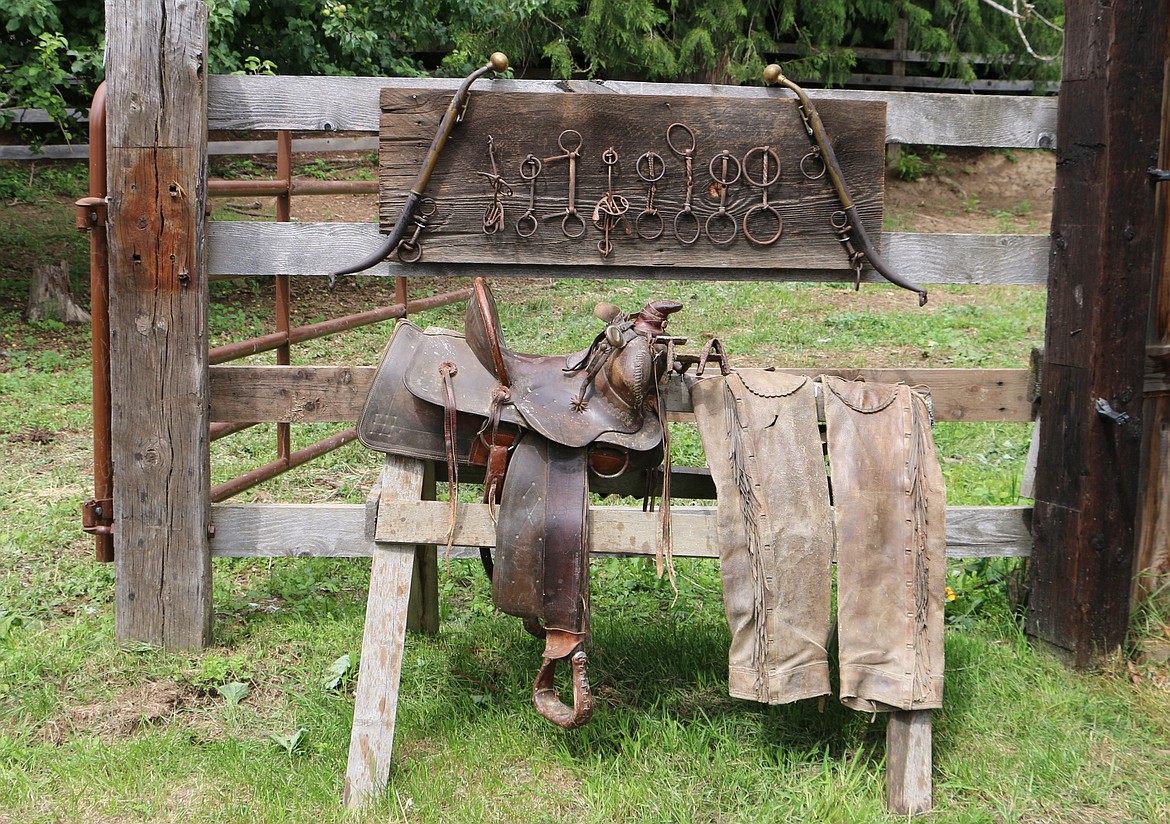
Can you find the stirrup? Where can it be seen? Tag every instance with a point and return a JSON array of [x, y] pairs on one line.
[[547, 699]]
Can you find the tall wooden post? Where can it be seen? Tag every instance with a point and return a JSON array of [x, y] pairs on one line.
[[1153, 554], [157, 137], [1104, 235]]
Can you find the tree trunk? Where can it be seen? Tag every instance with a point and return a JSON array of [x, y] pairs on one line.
[[50, 297]]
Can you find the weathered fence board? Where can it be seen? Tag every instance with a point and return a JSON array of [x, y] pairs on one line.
[[339, 530], [265, 249], [320, 394], [351, 104], [543, 125]]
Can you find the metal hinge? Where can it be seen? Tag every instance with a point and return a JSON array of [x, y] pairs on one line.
[[91, 213], [97, 516]]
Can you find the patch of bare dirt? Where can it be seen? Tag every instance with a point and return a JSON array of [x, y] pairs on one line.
[[975, 191], [127, 712]]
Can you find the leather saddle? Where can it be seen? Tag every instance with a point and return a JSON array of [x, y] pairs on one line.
[[541, 426]]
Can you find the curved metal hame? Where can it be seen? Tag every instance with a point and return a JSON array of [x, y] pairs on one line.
[[851, 233], [498, 62]]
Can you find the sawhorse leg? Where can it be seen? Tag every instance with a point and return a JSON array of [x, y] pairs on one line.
[[376, 699], [909, 789]]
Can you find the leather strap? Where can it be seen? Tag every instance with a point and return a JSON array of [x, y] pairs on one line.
[[448, 371], [485, 306]]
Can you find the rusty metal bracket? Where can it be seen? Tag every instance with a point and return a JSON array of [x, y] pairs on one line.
[[91, 213], [97, 516]]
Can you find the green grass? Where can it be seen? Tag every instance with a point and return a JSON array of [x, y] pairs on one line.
[[91, 731]]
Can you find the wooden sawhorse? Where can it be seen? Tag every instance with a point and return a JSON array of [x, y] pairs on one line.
[[404, 593]]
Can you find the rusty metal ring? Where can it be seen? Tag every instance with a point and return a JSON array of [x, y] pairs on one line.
[[721, 215], [840, 220], [678, 220], [527, 224], [409, 252], [759, 207], [647, 160], [531, 162], [647, 235], [765, 152], [561, 141], [565, 223], [670, 142], [725, 156], [815, 154], [427, 207]]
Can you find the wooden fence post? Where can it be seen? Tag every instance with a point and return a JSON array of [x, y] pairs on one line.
[[1104, 235], [157, 139], [1153, 554]]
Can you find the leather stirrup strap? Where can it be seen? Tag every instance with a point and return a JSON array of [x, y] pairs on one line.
[[545, 695], [449, 370]]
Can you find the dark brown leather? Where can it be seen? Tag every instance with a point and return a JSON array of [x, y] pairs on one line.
[[540, 423]]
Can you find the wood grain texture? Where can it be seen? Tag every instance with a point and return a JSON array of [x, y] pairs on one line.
[[909, 785], [1104, 242], [523, 124], [335, 394], [351, 104], [383, 640], [158, 307], [266, 249], [337, 530]]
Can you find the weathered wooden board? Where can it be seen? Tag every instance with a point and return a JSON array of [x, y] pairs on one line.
[[266, 249], [376, 694], [909, 784], [521, 124], [330, 104], [337, 530], [335, 394]]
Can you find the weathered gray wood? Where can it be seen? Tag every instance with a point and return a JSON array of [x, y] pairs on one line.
[[80, 151], [335, 394], [909, 785], [51, 297], [290, 531], [158, 304], [422, 614], [251, 248], [292, 394], [523, 124], [351, 104], [376, 695], [338, 530]]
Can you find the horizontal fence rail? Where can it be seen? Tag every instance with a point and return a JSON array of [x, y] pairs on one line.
[[253, 248], [354, 530], [351, 104]]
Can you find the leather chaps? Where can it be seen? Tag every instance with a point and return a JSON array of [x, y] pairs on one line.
[[759, 430]]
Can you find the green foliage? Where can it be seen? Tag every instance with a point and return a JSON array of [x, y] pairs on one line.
[[50, 53], [50, 58]]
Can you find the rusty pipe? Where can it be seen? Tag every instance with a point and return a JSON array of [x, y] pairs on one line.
[[498, 62], [99, 298], [222, 492], [277, 187], [853, 233], [299, 334]]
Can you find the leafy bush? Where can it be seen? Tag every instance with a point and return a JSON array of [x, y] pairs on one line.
[[50, 51]]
